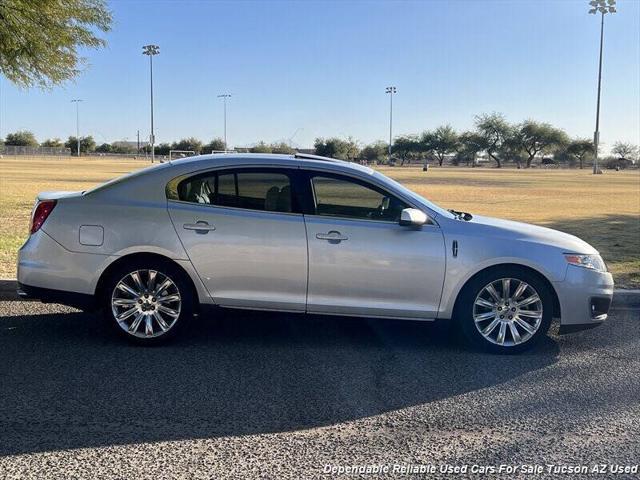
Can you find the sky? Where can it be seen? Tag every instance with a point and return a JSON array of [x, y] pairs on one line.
[[298, 70]]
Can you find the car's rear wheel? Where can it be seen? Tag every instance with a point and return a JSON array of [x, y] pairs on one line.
[[505, 310], [148, 302]]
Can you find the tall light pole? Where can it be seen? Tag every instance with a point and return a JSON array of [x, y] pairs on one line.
[[224, 97], [602, 6], [151, 50], [77, 102], [390, 91]]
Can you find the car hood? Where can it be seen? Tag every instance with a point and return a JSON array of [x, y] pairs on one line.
[[488, 226]]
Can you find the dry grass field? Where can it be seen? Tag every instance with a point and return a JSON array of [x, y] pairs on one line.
[[604, 210]]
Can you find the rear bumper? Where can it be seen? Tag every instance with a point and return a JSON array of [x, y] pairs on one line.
[[585, 298], [44, 263], [82, 301]]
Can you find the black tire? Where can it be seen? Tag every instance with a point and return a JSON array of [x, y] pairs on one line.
[[184, 306], [465, 309]]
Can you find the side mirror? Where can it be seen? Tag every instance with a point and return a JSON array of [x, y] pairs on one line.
[[413, 217]]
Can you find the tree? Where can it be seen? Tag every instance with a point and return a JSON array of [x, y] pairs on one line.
[[469, 144], [40, 41], [215, 145], [374, 152], [407, 147], [442, 142], [352, 148], [162, 149], [261, 147], [536, 137], [104, 148], [512, 149], [87, 144], [337, 148], [579, 149], [282, 148], [21, 138], [494, 130], [123, 148], [191, 144], [324, 148], [52, 143], [628, 151], [72, 143]]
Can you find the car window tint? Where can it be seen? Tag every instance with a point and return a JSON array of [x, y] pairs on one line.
[[227, 184], [265, 191], [197, 190], [337, 197], [269, 191]]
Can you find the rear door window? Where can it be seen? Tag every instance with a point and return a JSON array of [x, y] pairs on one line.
[[267, 190]]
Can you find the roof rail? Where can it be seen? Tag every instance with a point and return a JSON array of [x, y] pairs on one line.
[[308, 156]]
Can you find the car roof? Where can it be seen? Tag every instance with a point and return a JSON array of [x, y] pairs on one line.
[[298, 159]]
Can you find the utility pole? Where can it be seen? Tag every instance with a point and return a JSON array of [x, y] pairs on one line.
[[390, 91], [138, 143], [77, 102], [602, 6], [224, 97], [151, 50]]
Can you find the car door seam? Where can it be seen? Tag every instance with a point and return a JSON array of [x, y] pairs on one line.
[[188, 257], [306, 234]]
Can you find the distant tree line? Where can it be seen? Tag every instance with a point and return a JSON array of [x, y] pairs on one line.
[[493, 138], [192, 144], [501, 143]]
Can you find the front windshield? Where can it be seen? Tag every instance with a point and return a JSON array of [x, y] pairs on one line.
[[413, 195]]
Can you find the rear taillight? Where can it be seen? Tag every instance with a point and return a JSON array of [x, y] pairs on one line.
[[40, 214]]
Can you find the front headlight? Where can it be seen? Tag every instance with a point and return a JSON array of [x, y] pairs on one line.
[[594, 262]]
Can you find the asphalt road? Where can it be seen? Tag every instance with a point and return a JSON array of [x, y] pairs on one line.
[[280, 396]]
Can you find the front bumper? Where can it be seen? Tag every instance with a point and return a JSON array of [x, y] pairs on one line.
[[585, 297]]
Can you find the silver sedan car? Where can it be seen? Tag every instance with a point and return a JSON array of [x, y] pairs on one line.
[[299, 233]]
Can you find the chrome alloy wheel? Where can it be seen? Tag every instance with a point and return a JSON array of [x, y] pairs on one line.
[[507, 312], [146, 303]]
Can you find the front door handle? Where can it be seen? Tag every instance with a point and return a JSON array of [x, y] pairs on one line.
[[200, 226], [332, 236]]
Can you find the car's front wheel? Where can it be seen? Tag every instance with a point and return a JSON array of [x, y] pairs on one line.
[[505, 310], [148, 302]]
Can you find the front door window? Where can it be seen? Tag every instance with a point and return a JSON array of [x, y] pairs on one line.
[[339, 197]]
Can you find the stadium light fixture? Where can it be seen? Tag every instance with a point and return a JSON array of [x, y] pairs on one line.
[[604, 7], [77, 102], [224, 97], [391, 91], [151, 50]]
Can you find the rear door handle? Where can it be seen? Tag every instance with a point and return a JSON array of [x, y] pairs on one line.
[[200, 226], [332, 236]]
